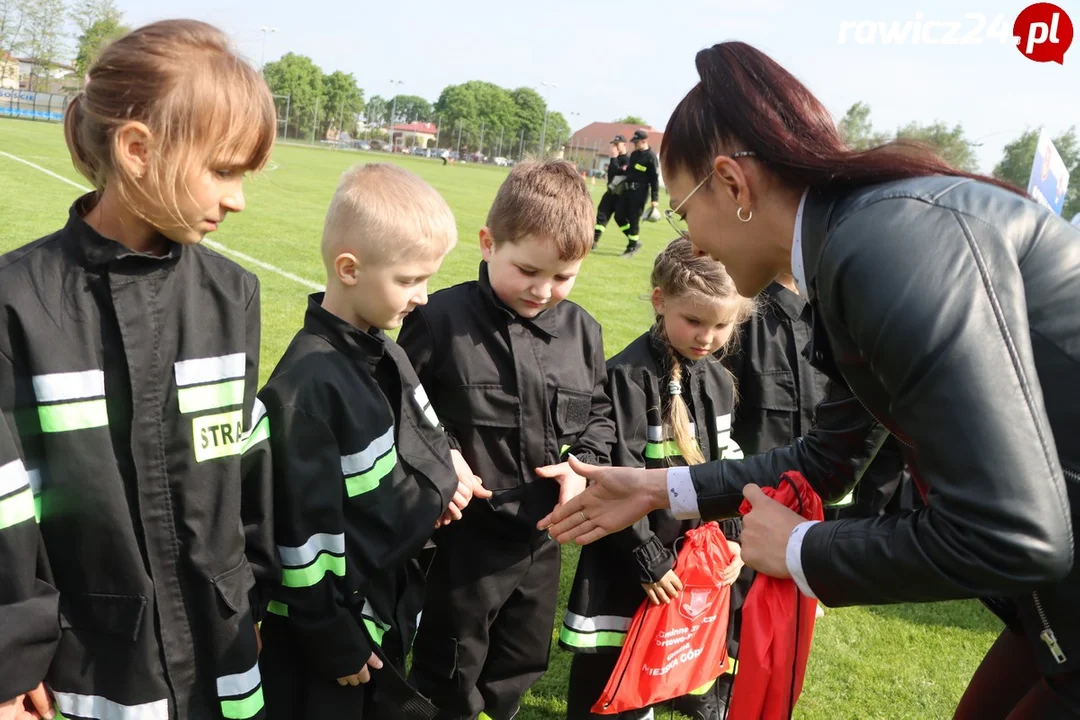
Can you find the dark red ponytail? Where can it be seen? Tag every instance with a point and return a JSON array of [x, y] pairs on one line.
[[746, 101]]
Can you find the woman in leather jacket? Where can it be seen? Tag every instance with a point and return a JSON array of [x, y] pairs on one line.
[[947, 307]]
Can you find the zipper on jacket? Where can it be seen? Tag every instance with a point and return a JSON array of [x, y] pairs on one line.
[[1047, 635]]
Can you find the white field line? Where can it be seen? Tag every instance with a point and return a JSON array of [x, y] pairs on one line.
[[209, 243]]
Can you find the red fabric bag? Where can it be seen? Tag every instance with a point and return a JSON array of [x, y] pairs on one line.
[[777, 626], [673, 649]]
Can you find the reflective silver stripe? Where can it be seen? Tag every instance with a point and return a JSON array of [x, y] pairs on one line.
[[596, 623], [660, 434], [35, 480], [69, 386], [424, 404], [13, 476], [731, 451], [306, 553], [723, 423], [365, 459], [239, 684], [211, 369], [258, 412], [369, 612], [99, 708]]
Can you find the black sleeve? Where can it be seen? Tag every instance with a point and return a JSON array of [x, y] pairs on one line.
[[418, 342], [593, 445], [654, 176], [257, 480], [29, 613], [832, 457], [942, 321], [309, 520], [630, 409]]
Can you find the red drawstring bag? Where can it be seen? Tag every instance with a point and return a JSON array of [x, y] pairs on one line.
[[673, 649], [777, 626]]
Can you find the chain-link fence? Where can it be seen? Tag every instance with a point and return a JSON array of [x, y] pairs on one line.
[[32, 105]]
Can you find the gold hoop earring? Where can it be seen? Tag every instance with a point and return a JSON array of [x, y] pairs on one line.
[[746, 219]]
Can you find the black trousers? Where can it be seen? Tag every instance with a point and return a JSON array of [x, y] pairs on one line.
[[1008, 686], [604, 211], [628, 211], [485, 634]]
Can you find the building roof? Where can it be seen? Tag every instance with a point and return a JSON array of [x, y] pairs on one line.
[[600, 135], [425, 128]]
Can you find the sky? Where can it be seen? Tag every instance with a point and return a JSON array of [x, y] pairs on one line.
[[641, 61]]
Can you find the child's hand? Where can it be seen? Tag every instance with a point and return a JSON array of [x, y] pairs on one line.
[[37, 700], [570, 483], [363, 676], [664, 590], [469, 486], [731, 572]]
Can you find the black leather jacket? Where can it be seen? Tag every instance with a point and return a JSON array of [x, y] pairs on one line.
[[951, 309]]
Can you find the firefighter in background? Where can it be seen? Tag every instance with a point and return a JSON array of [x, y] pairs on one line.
[[608, 203], [642, 178]]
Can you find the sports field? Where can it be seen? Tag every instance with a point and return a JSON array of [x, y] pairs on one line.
[[907, 661]]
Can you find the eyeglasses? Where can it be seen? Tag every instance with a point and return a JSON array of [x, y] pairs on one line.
[[677, 222]]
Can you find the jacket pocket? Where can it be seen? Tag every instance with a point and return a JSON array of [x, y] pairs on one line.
[[481, 406], [771, 390], [234, 585], [572, 408], [119, 615]]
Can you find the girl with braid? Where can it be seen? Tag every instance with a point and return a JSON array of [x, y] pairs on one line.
[[673, 400]]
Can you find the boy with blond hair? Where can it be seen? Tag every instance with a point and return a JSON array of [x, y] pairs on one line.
[[517, 373], [361, 466]]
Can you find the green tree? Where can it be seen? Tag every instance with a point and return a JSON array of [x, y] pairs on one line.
[[413, 108], [94, 39], [44, 32], [12, 39], [340, 102], [950, 143], [476, 107], [856, 129], [1018, 156], [377, 111], [300, 78], [558, 132], [530, 116], [632, 120]]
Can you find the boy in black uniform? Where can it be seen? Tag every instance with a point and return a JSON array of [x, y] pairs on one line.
[[518, 376], [616, 167], [642, 179], [362, 470]]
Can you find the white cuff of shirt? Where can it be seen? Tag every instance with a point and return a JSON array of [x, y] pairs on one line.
[[681, 494], [794, 556]]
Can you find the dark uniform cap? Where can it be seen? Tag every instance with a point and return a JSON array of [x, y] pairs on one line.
[[618, 139], [640, 135]]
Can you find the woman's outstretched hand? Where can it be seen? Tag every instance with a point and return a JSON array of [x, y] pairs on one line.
[[615, 499]]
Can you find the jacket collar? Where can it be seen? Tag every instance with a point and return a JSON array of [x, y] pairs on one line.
[[817, 214], [95, 249], [793, 305], [367, 347], [546, 322]]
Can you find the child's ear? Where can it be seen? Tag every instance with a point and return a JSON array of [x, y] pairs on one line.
[[132, 144], [487, 243], [346, 267], [658, 301]]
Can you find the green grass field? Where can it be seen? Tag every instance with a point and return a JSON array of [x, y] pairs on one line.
[[907, 661]]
